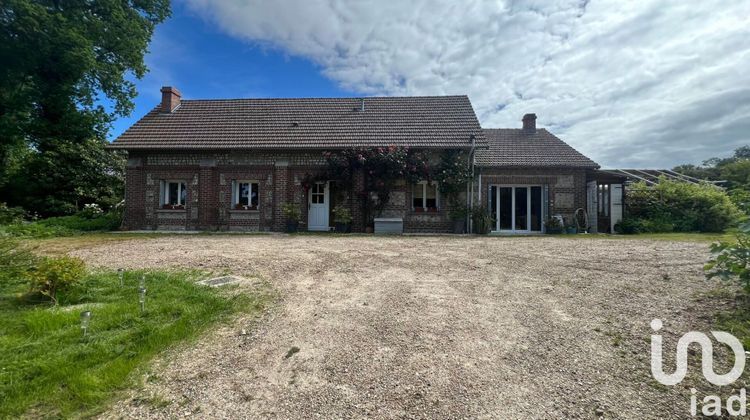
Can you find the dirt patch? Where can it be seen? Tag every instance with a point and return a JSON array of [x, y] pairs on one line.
[[533, 327]]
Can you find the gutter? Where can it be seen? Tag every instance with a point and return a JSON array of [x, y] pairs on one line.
[[469, 185]]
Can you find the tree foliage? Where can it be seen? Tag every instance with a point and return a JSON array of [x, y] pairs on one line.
[[58, 61], [382, 167], [677, 206], [61, 177], [731, 260], [452, 173], [733, 170]]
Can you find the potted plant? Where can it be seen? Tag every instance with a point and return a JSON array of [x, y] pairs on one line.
[[342, 217], [458, 213], [571, 229], [553, 225], [482, 220], [292, 214]]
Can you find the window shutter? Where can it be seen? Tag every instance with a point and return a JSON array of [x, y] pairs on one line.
[[234, 192]]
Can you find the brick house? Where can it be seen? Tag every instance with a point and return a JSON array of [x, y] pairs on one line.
[[233, 164], [528, 174]]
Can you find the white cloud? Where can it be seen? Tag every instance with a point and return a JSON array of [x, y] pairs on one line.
[[631, 83]]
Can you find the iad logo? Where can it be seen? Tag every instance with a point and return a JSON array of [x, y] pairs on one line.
[[707, 358], [711, 403]]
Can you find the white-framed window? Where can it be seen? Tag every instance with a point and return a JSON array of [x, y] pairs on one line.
[[174, 194], [246, 195], [424, 196]]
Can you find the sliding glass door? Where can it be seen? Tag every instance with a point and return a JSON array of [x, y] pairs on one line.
[[516, 208]]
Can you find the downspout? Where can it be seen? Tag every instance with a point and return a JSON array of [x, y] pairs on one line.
[[470, 184]]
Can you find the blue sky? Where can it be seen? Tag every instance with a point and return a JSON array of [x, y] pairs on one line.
[[647, 83], [202, 62]]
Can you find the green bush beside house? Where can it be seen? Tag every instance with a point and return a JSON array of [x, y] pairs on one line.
[[677, 207]]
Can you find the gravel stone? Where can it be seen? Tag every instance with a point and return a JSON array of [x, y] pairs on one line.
[[430, 327]]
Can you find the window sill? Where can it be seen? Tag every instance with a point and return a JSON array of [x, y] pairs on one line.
[[244, 211], [171, 210]]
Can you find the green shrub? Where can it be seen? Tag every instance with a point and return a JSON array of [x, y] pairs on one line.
[[291, 211], [9, 215], [731, 260], [64, 225], [91, 211], [16, 260], [482, 220], [35, 230], [741, 198], [629, 226], [678, 206], [53, 275], [341, 214], [553, 225], [85, 222], [457, 210]]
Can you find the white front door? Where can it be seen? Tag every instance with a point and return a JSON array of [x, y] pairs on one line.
[[317, 208]]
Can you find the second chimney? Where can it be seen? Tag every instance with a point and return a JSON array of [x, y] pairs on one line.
[[529, 123], [170, 98]]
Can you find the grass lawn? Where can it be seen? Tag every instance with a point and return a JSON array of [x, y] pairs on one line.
[[682, 237], [673, 236], [49, 369]]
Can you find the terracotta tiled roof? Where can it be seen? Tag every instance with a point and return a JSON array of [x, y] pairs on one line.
[[429, 122], [516, 147]]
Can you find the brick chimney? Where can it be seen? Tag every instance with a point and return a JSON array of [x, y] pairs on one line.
[[170, 98], [529, 123]]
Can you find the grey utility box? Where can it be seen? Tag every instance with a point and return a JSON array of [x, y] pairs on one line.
[[394, 225]]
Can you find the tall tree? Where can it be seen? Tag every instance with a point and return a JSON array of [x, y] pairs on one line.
[[61, 177], [58, 57]]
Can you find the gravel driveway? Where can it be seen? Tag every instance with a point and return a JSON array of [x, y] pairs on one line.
[[447, 327]]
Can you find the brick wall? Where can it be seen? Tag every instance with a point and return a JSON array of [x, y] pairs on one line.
[[209, 175], [135, 195], [230, 218]]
